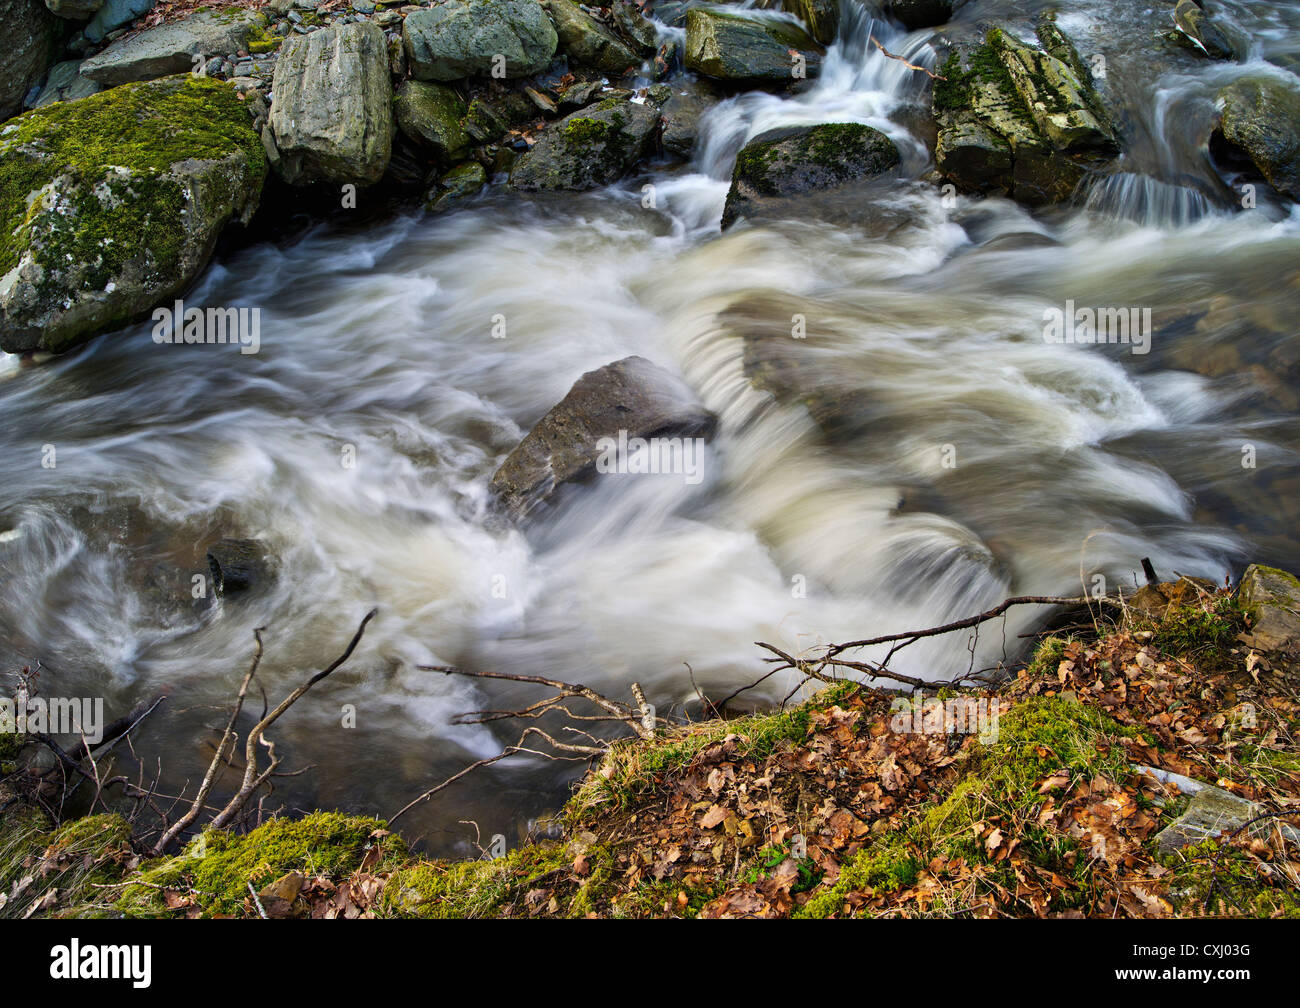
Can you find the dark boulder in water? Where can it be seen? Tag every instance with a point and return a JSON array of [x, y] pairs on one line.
[[1261, 119], [632, 397], [795, 160]]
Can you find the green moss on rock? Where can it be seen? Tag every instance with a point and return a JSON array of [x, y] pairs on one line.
[[114, 201]]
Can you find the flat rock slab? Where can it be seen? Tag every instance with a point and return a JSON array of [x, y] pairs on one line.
[[1213, 813], [631, 396], [171, 48]]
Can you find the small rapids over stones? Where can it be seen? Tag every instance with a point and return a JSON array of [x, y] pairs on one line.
[[922, 453]]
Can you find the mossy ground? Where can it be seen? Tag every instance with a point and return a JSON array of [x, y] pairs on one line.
[[828, 809]]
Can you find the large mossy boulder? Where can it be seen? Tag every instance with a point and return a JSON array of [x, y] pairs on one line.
[[1261, 119], [112, 204], [332, 114], [917, 14], [433, 115], [466, 38], [789, 162], [735, 47], [594, 146], [31, 36], [586, 41], [1020, 120], [630, 396], [172, 48]]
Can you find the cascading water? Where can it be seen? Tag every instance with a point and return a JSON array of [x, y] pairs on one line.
[[377, 345]]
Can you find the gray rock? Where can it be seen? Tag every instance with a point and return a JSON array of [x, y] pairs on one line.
[[917, 14], [332, 114], [1018, 120], [588, 42], [1202, 31], [732, 47], [1261, 118], [74, 10], [65, 83], [631, 395], [171, 48], [433, 116], [31, 33], [465, 38], [126, 194], [590, 148], [789, 162], [822, 17], [682, 113], [116, 14], [1271, 600], [635, 26], [1212, 813]]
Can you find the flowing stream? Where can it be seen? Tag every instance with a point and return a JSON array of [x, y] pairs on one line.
[[359, 442]]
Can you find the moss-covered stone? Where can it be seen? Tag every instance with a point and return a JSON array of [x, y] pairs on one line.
[[217, 867], [795, 160], [590, 148], [1018, 119], [112, 203], [1261, 118], [728, 46], [433, 115]]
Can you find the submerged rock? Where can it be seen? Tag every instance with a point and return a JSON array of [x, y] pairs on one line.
[[332, 116], [433, 116], [237, 565], [592, 147], [1261, 119], [588, 42], [632, 396], [112, 204], [788, 162], [1018, 120], [732, 47], [29, 49], [465, 38], [172, 48], [916, 14]]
